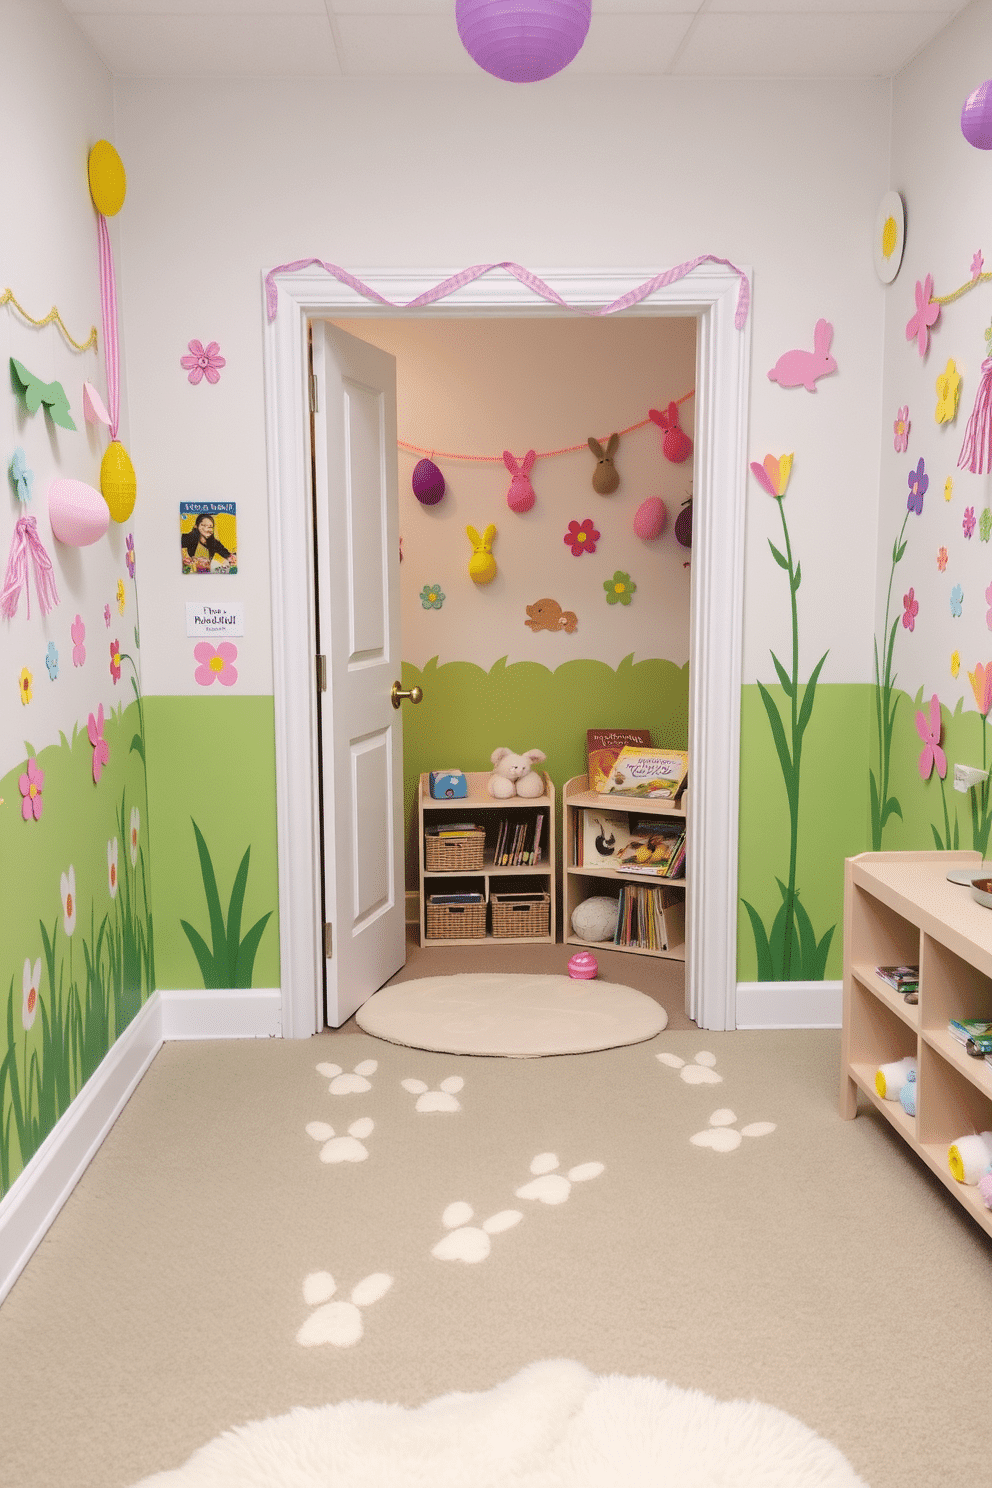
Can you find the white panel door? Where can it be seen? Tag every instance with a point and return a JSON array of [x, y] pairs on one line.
[[358, 619]]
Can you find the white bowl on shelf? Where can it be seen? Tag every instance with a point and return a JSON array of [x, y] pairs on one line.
[[981, 889]]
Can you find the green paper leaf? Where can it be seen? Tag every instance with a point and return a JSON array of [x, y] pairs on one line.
[[35, 393], [780, 558]]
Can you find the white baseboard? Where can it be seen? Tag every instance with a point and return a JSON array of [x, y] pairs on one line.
[[789, 1004], [38, 1193], [252, 1012]]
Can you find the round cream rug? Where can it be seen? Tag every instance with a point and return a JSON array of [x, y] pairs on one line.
[[511, 1015]]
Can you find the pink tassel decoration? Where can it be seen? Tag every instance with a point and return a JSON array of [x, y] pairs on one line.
[[25, 543], [976, 452]]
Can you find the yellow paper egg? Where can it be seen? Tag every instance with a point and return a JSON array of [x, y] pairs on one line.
[[108, 182], [118, 481]]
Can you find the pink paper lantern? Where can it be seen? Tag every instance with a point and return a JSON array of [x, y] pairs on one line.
[[976, 117], [522, 41], [78, 513], [427, 482]]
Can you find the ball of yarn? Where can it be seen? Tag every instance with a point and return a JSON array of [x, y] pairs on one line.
[[596, 918], [976, 117], [650, 518], [428, 483]]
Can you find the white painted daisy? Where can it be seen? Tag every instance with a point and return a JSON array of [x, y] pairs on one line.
[[31, 984], [112, 847], [68, 887], [135, 824]]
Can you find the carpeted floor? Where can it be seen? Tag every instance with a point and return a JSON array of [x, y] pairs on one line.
[[704, 1218]]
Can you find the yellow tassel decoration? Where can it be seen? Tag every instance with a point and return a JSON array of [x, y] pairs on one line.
[[118, 482]]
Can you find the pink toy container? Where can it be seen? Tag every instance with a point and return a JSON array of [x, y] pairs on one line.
[[583, 966]]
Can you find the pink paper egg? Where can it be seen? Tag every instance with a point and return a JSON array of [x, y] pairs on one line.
[[650, 518], [583, 966], [428, 483], [78, 513]]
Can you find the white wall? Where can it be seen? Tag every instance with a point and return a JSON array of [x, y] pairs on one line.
[[228, 181]]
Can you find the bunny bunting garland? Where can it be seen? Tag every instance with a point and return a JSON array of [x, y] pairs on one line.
[[804, 368], [605, 478], [520, 497], [676, 445]]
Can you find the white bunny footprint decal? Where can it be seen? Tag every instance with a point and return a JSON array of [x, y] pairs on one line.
[[720, 1135], [442, 1099], [467, 1242], [342, 1149], [700, 1072], [339, 1323], [351, 1084], [551, 1187]]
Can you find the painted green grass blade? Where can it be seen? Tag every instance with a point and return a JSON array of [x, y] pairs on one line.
[[234, 917], [806, 944], [15, 1087], [891, 808], [776, 940], [806, 708], [217, 932], [204, 959], [246, 955], [783, 675], [765, 973], [778, 734]]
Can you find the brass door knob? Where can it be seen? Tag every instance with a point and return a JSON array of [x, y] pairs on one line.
[[396, 693]]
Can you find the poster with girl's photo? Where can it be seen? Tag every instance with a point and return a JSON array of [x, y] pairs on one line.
[[208, 535]]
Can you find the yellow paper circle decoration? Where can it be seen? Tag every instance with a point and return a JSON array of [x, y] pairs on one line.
[[108, 182], [118, 481]]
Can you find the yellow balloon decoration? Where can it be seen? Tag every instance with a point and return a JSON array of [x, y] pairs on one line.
[[108, 182], [118, 482]]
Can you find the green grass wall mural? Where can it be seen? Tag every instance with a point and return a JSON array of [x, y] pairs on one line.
[[229, 960]]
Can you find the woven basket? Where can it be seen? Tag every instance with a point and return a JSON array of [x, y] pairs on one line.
[[513, 919], [454, 854], [455, 921]]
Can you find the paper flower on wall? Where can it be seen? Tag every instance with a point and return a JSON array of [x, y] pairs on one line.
[[948, 488], [890, 236], [928, 729], [910, 610], [30, 987], [988, 601], [919, 483], [52, 660], [977, 265], [24, 683], [968, 521], [21, 477], [900, 431], [101, 749], [30, 785], [432, 597], [113, 847], [927, 314], [77, 633], [581, 537], [203, 362], [115, 661], [985, 524], [941, 559], [955, 663], [981, 686], [106, 616], [67, 886], [619, 589], [216, 664], [121, 596], [957, 601], [948, 392], [773, 474], [129, 554]]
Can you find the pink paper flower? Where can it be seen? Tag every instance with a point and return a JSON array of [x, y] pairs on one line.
[[977, 265], [927, 314], [106, 616], [30, 785], [901, 431], [942, 559], [981, 686], [968, 521], [101, 749], [129, 554], [215, 664], [773, 473], [988, 612], [77, 631], [581, 537], [911, 608], [115, 661], [929, 732], [203, 361]]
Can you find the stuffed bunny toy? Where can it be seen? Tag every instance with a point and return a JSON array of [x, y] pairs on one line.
[[676, 445], [520, 496], [513, 776], [482, 564], [802, 368], [605, 478]]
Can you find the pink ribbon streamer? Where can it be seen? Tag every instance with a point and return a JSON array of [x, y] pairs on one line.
[[531, 281], [26, 543], [976, 451], [108, 304]]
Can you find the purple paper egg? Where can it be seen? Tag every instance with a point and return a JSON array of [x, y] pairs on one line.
[[78, 513], [976, 117], [650, 518], [428, 483]]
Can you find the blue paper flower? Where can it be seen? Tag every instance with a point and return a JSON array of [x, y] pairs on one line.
[[52, 660], [20, 475], [957, 600], [432, 597]]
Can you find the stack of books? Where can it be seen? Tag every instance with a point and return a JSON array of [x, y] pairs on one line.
[[904, 979], [654, 849], [518, 843], [974, 1033], [472, 898]]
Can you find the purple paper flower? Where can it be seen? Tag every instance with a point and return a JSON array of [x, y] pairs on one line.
[[929, 731], [101, 749], [77, 630], [129, 554], [977, 264], [919, 483], [30, 786], [968, 521], [927, 314], [910, 610], [203, 361], [106, 615]]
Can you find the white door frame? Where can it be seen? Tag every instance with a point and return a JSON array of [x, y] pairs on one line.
[[719, 493]]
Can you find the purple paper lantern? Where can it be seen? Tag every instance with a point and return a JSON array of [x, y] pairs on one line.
[[976, 117], [522, 41], [428, 483]]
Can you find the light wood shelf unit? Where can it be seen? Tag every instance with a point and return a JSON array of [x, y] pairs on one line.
[[900, 908], [487, 811], [583, 882]]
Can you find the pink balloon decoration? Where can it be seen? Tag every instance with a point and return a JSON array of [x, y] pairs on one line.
[[976, 117], [650, 518], [522, 41], [428, 483], [78, 513]]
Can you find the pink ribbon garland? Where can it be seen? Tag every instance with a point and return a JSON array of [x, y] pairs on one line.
[[457, 281], [976, 451], [25, 543], [108, 304]]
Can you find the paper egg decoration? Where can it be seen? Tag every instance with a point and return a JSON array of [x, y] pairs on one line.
[[428, 483], [650, 518], [108, 183], [976, 117], [118, 481], [78, 513]]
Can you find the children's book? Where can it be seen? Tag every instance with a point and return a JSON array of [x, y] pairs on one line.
[[605, 835], [971, 1030], [653, 852], [656, 773], [603, 746]]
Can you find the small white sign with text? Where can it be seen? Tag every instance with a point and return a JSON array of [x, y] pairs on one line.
[[215, 619]]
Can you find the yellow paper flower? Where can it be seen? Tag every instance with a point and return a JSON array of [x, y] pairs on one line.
[[955, 663], [948, 488], [120, 595], [26, 680], [948, 392]]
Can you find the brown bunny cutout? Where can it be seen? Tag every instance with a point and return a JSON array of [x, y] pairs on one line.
[[547, 614], [605, 478]]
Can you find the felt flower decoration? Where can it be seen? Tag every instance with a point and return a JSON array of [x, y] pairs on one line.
[[52, 660], [135, 827], [900, 430], [112, 849], [619, 589], [77, 633], [927, 314], [928, 729], [773, 474], [968, 521], [981, 686], [910, 610], [941, 559], [30, 986], [977, 264], [216, 664], [30, 785], [101, 749], [203, 361], [129, 554], [919, 483], [581, 537], [955, 663], [957, 601], [115, 661], [432, 597], [948, 387], [948, 488], [20, 475], [24, 682], [67, 885]]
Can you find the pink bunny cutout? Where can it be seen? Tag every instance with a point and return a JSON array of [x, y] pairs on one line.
[[803, 368], [520, 496]]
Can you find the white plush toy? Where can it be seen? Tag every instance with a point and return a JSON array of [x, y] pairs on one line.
[[513, 774]]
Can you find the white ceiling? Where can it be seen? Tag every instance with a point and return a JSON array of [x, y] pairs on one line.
[[418, 38]]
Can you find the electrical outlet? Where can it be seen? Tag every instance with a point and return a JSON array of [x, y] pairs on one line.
[[966, 776]]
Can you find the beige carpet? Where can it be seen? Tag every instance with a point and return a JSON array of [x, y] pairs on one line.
[[513, 1015]]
